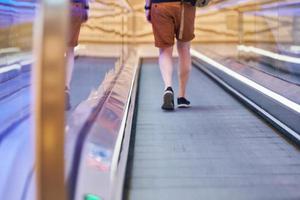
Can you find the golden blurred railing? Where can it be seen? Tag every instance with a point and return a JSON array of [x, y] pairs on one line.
[[50, 36]]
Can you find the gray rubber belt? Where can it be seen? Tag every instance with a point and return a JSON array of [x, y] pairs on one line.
[[217, 149]]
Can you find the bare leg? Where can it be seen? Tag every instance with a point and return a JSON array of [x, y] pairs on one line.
[[166, 65], [70, 66], [184, 66]]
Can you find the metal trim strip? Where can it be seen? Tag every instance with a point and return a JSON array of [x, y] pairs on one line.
[[281, 126]]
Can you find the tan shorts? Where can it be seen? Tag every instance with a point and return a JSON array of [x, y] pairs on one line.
[[166, 20], [78, 16]]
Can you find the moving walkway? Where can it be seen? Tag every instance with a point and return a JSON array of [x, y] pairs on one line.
[[120, 144], [220, 148], [217, 149], [234, 143]]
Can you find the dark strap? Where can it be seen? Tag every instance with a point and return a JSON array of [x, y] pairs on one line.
[[193, 2], [83, 2], [164, 1]]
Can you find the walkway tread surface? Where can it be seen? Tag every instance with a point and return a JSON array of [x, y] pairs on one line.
[[217, 149]]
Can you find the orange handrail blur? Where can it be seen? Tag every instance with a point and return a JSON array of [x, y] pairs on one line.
[[50, 36]]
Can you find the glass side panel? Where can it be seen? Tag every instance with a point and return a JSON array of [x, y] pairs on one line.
[[16, 58], [93, 65], [260, 37], [97, 42]]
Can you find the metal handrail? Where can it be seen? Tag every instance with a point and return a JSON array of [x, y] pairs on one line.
[[256, 96], [48, 82]]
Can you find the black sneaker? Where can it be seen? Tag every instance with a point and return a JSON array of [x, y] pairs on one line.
[[183, 103], [67, 99], [168, 103]]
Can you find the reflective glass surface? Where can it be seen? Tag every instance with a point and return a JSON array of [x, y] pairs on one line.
[[16, 58], [256, 38], [98, 91], [259, 39], [96, 50]]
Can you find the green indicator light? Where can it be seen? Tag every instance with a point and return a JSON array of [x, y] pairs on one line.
[[92, 197]]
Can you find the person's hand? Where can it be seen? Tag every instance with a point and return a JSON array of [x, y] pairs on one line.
[[85, 15], [148, 15]]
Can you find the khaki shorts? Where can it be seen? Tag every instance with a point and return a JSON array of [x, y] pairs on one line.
[[166, 20], [78, 16]]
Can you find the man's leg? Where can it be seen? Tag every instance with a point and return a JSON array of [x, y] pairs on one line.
[[166, 65], [69, 72], [70, 66], [166, 69], [184, 66]]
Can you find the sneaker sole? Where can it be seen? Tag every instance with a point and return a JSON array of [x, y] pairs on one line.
[[168, 101], [184, 106]]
